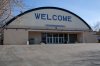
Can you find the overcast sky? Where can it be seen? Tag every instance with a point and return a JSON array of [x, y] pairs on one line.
[[89, 10]]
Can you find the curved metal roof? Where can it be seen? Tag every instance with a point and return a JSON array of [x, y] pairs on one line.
[[46, 8]]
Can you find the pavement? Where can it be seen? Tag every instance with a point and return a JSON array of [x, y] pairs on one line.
[[50, 55]]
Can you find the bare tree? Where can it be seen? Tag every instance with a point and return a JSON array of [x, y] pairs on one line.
[[97, 26], [6, 8]]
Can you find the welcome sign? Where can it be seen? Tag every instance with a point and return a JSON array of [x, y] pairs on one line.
[[43, 16]]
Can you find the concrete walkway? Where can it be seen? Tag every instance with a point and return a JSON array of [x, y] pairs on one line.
[[50, 55]]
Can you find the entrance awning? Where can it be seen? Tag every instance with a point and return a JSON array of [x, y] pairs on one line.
[[78, 31]]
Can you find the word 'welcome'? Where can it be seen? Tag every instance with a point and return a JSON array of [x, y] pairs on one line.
[[52, 17]]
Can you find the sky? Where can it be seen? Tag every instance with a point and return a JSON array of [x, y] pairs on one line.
[[89, 10]]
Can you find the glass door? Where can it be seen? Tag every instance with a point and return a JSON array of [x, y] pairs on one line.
[[58, 38], [55, 38]]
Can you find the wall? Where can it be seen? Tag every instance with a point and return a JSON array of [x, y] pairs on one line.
[[21, 36], [15, 36], [79, 37], [90, 37]]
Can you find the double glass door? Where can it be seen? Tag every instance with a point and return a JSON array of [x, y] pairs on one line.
[[58, 38], [54, 38]]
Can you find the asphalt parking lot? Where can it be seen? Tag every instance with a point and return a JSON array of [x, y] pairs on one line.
[[50, 55]]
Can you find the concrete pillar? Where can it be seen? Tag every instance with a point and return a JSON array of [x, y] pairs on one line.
[[68, 38], [83, 39]]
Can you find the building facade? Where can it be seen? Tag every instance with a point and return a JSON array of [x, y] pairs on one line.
[[49, 25]]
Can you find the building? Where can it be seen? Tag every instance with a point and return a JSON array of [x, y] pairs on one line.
[[49, 25]]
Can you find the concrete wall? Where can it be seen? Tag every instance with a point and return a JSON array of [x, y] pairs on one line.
[[15, 36], [79, 37], [87, 37], [90, 37], [21, 36]]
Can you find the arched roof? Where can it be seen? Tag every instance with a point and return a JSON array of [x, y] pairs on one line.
[[39, 8]]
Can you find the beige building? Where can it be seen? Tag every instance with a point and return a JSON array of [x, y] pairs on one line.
[[49, 25]]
